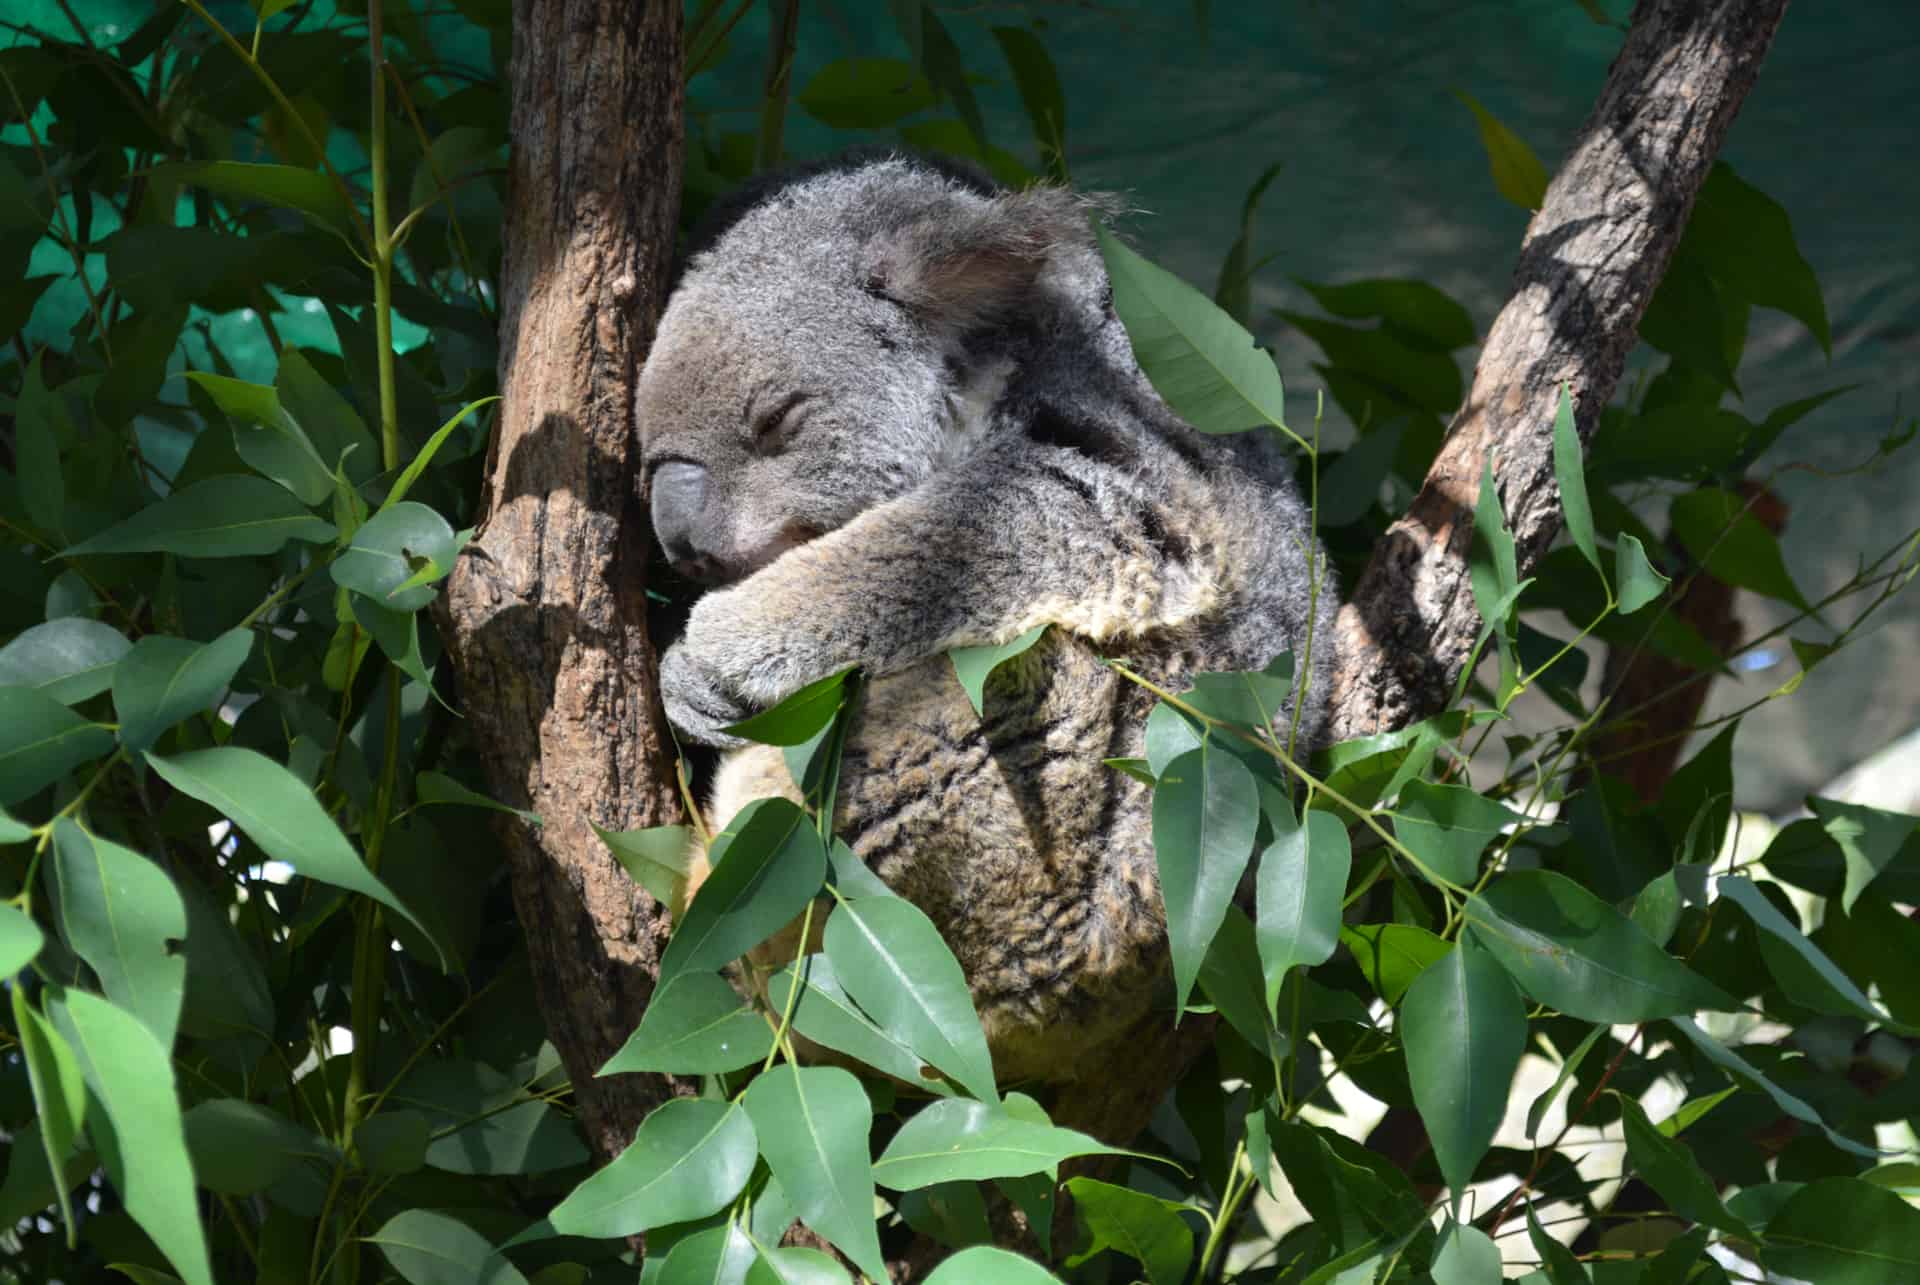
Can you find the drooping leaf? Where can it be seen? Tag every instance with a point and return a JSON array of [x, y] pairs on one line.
[[1569, 470], [1298, 888], [1466, 1256], [826, 1014], [1202, 361], [1039, 86], [864, 93], [59, 1097], [1635, 580], [1869, 839], [1727, 1060], [229, 516], [974, 665], [1746, 241], [690, 1157], [1517, 172], [430, 1248], [69, 660], [120, 913], [988, 1263], [812, 1123], [889, 957], [1206, 810], [1573, 952], [1802, 969], [41, 740], [960, 1140], [1729, 541], [1558, 1262], [528, 1137], [1670, 1169], [308, 191], [1464, 1027], [767, 864], [163, 680], [268, 438], [1143, 1227], [694, 1025], [144, 1150], [280, 814]]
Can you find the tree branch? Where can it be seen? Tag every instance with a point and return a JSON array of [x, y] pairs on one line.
[[1588, 266], [545, 615]]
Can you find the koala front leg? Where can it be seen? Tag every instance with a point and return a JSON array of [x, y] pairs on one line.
[[974, 558]]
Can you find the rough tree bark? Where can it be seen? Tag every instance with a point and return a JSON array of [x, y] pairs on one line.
[[546, 613], [1589, 263]]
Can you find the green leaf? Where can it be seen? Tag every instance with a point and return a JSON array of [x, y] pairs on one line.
[[239, 1147], [1464, 1027], [417, 465], [1418, 313], [1568, 1069], [1298, 888], [1039, 87], [1730, 542], [1674, 1264], [1670, 1169], [395, 1142], [983, 1263], [812, 1123], [1569, 469], [163, 680], [1449, 826], [1869, 839], [387, 551], [1802, 969], [1202, 361], [1206, 810], [145, 1150], [657, 858], [795, 1266], [694, 1025], [864, 93], [1727, 1060], [889, 957], [1392, 955], [69, 660], [1233, 291], [798, 718], [338, 434], [960, 1140], [279, 814], [1574, 952], [120, 913], [1170, 734], [429, 1248], [308, 191], [1746, 241], [715, 1256], [1251, 698], [1517, 172], [1143, 1227], [438, 787], [59, 1096], [767, 864], [690, 1157], [42, 740], [826, 1014], [1466, 1256], [527, 1138], [38, 419], [267, 437], [1561, 1267], [973, 665], [1231, 980], [1841, 1231], [1638, 583], [20, 940], [228, 516]]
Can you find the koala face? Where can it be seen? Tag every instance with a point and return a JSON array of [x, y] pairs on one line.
[[837, 344]]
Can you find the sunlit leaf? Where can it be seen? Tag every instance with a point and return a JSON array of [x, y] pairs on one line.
[[1298, 888], [1464, 1027], [695, 1024], [974, 665], [1517, 172], [120, 913], [163, 680], [1841, 1231], [812, 1123], [59, 1096], [1143, 1227], [826, 1014], [690, 1157], [1205, 813], [962, 1140], [1670, 1169], [41, 740], [68, 659], [767, 864], [229, 516]]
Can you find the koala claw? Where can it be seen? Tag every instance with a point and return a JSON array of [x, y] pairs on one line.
[[698, 703]]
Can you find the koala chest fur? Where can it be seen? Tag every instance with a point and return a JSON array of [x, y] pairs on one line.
[[890, 411]]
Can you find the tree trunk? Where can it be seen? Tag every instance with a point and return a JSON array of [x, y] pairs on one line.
[[546, 613], [1588, 266]]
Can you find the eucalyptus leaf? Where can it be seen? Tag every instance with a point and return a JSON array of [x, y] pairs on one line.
[[69, 660], [812, 1123], [42, 740], [430, 1248], [120, 913], [1464, 1027], [690, 1157], [767, 864], [1299, 885], [974, 665], [958, 1140], [229, 516], [163, 680], [1206, 810], [694, 1025]]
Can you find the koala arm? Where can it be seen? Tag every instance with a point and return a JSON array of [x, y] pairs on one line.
[[1015, 539]]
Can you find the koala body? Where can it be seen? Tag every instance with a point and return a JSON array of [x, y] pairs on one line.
[[890, 408]]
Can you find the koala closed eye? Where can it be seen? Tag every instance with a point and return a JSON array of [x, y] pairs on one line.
[[772, 428]]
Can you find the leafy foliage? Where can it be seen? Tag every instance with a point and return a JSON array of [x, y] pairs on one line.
[[269, 1015]]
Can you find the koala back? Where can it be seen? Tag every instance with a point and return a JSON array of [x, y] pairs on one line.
[[891, 412]]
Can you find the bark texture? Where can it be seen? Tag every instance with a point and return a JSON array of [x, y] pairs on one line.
[[1591, 258], [546, 612]]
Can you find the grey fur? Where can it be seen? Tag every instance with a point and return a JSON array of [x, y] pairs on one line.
[[892, 409]]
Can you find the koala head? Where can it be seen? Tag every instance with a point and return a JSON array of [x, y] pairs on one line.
[[841, 337]]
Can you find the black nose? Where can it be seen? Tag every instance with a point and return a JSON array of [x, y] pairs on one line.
[[679, 502]]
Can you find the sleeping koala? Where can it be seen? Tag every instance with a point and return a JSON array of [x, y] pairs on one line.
[[890, 408]]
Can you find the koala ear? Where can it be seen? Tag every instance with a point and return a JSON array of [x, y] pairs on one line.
[[968, 267]]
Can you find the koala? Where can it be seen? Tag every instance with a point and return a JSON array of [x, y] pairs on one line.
[[889, 411]]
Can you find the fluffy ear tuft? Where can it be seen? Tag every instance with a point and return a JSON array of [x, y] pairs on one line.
[[975, 264]]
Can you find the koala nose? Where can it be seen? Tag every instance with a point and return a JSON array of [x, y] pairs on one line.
[[679, 501]]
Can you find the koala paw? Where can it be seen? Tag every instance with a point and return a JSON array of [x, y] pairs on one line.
[[699, 702]]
